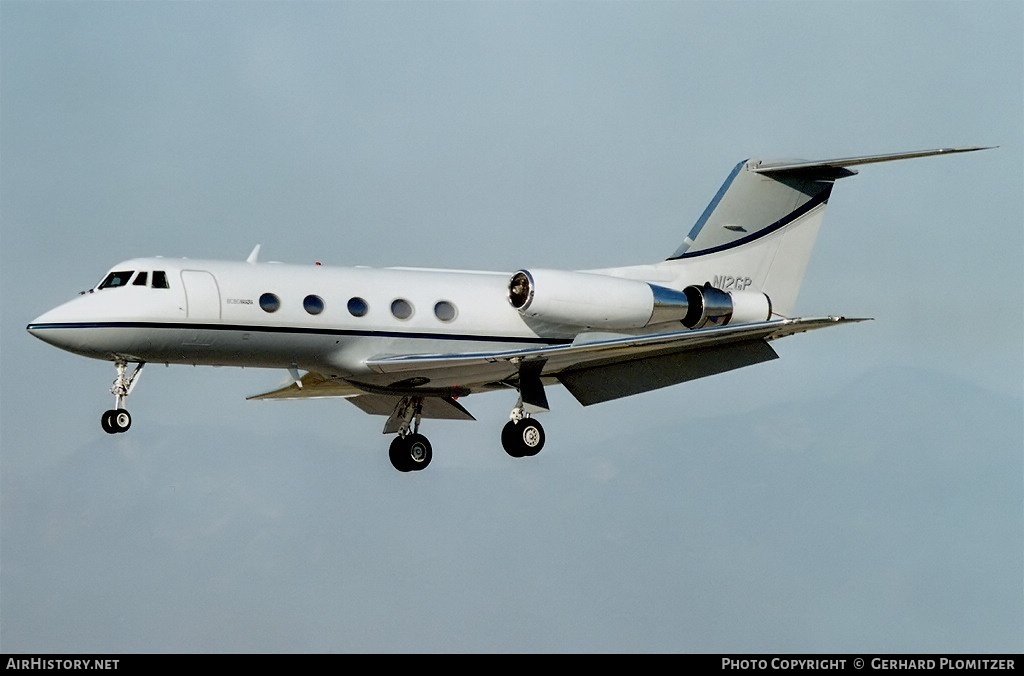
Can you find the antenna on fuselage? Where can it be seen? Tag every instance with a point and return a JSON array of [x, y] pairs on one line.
[[254, 255]]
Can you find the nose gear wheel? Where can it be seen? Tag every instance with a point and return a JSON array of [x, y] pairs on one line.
[[116, 421]]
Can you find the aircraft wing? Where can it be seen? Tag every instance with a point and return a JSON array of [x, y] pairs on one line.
[[314, 386], [598, 367], [318, 386]]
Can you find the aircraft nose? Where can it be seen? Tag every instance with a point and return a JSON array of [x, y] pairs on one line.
[[56, 326], [44, 327], [39, 324]]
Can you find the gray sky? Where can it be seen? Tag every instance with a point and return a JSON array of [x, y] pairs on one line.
[[862, 493]]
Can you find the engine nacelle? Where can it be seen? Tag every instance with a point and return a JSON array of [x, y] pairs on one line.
[[592, 300], [585, 299], [711, 306]]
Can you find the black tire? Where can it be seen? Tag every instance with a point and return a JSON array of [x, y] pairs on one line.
[[399, 455], [410, 454], [522, 439], [107, 422], [509, 441]]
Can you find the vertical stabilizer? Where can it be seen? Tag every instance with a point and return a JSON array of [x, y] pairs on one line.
[[752, 203], [760, 228]]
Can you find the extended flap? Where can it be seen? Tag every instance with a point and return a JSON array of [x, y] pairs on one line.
[[595, 384]]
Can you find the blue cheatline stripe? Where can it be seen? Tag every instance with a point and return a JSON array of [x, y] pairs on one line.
[[820, 198], [255, 328]]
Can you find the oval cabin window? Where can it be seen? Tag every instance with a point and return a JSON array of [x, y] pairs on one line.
[[314, 305], [270, 302], [401, 308]]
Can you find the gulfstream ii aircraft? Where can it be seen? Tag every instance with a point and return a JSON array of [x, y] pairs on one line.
[[408, 344]]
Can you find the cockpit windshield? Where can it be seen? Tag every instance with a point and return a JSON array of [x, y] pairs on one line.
[[115, 279], [121, 278]]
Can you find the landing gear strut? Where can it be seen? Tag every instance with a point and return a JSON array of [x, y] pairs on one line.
[[118, 419], [522, 436], [410, 451]]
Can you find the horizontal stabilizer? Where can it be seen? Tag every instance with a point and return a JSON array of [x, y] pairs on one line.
[[761, 167]]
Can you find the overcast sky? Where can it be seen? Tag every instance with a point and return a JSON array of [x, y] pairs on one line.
[[863, 493]]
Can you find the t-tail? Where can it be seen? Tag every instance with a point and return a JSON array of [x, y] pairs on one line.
[[758, 232]]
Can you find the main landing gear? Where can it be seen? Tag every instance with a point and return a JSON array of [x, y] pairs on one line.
[[522, 436], [118, 419], [410, 451]]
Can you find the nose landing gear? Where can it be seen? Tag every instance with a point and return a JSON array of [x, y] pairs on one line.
[[117, 419]]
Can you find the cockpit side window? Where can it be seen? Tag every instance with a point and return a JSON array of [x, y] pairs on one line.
[[115, 279], [141, 279], [160, 280]]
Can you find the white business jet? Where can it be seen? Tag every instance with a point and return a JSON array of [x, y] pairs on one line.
[[409, 343]]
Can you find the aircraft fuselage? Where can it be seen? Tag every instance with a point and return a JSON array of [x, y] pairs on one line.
[[273, 315]]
